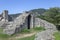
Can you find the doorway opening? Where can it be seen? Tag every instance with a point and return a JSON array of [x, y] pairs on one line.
[[28, 21]]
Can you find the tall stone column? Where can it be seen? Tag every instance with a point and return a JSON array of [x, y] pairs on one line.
[[5, 15]]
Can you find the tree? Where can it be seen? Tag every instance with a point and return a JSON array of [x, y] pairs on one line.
[[52, 15]]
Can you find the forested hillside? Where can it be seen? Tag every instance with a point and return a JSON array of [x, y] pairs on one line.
[[38, 11], [52, 15]]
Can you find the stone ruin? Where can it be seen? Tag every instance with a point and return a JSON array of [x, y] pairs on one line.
[[26, 20], [11, 26]]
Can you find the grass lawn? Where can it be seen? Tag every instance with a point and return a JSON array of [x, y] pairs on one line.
[[57, 35]]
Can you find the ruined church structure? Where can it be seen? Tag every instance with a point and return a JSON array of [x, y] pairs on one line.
[[25, 20]]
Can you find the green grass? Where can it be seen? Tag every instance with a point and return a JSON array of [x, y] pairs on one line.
[[39, 28], [57, 35], [1, 30], [28, 38], [36, 29], [3, 36], [25, 31]]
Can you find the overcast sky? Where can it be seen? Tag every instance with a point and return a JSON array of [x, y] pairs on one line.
[[17, 6]]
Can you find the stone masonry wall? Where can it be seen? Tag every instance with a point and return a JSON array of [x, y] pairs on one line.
[[40, 22]]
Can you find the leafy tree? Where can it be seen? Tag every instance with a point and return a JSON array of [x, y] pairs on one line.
[[52, 15]]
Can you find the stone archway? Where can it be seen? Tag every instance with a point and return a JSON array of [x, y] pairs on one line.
[[28, 21]]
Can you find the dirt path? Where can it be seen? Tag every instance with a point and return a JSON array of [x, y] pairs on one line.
[[22, 36]]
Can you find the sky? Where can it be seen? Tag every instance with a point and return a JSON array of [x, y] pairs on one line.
[[18, 6]]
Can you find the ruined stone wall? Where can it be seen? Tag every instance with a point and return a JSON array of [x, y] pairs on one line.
[[23, 21], [17, 25], [40, 22], [4, 18], [5, 15]]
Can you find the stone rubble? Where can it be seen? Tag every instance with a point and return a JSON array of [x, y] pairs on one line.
[[48, 33]]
